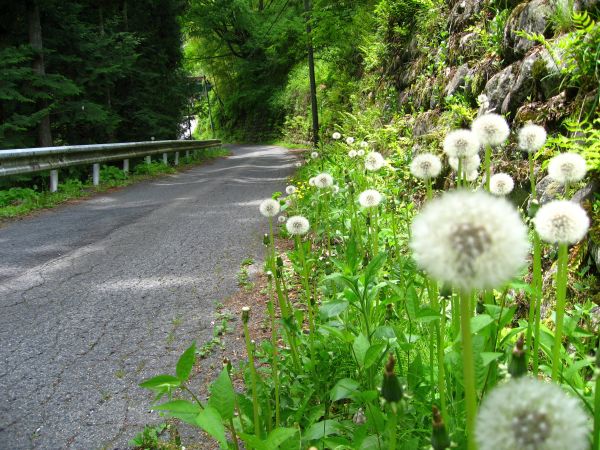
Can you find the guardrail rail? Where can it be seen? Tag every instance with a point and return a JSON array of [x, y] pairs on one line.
[[31, 160]]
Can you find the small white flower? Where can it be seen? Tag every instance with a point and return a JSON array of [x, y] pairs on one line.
[[501, 184], [374, 161], [269, 207], [527, 414], [289, 190], [314, 155], [471, 240], [425, 166], [364, 144], [349, 140], [469, 164], [297, 225], [311, 181], [298, 164], [562, 222], [567, 168], [336, 136], [323, 180], [360, 152], [491, 129], [281, 219], [352, 154], [461, 144], [532, 138], [369, 198]]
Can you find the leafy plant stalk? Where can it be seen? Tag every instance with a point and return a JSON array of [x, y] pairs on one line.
[[561, 291]]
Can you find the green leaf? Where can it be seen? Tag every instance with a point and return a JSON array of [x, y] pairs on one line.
[[373, 354], [181, 409], [374, 266], [488, 357], [322, 429], [186, 363], [412, 303], [333, 308], [161, 383], [360, 347], [222, 396], [478, 323], [343, 389], [210, 421], [278, 436]]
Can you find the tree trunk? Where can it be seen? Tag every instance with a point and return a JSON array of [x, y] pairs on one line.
[[44, 135], [311, 74]]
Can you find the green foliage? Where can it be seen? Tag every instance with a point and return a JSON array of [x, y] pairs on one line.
[[154, 168], [583, 138], [111, 174]]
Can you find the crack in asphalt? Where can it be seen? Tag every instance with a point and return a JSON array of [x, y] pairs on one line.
[[136, 280]]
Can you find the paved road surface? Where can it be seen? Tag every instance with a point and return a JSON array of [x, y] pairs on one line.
[[97, 296]]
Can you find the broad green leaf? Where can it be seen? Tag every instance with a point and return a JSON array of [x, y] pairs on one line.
[[210, 421], [278, 436], [333, 308], [161, 383], [412, 303], [343, 389], [360, 347], [478, 323], [374, 266], [488, 357], [222, 395], [181, 409], [373, 354], [322, 429], [186, 363], [384, 332]]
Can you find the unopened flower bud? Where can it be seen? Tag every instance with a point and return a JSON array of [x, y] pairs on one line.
[[391, 390], [266, 240], [439, 435], [245, 314], [279, 261], [518, 362], [534, 206]]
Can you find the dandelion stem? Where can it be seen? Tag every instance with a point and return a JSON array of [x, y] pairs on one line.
[[274, 367], [487, 163], [468, 369], [532, 176], [253, 380], [597, 403], [561, 291], [537, 300]]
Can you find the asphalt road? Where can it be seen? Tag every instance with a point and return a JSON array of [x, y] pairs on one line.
[[99, 295]]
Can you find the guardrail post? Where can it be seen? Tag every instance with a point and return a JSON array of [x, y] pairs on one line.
[[96, 174], [53, 180], [126, 165], [165, 158], [176, 158], [148, 159]]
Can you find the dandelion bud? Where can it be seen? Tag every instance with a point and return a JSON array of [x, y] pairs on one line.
[[279, 261], [480, 307], [266, 240], [518, 362], [245, 314], [534, 206], [389, 311], [269, 274], [391, 390], [439, 435]]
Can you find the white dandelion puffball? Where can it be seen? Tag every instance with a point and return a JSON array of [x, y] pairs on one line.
[[269, 207], [471, 240], [281, 219], [483, 101], [425, 166], [527, 414], [562, 222], [349, 140], [360, 152], [352, 153], [297, 225], [336, 136], [472, 175], [289, 190], [369, 198], [491, 129], [298, 164], [567, 168], [469, 164], [501, 184], [314, 155], [311, 181], [531, 138], [461, 144], [374, 161], [323, 180], [364, 144]]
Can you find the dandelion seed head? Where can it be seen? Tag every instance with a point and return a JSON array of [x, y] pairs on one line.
[[364, 144], [314, 155], [269, 207], [567, 168], [425, 166], [281, 219], [562, 222], [461, 144], [323, 180], [298, 164], [374, 161], [531, 137], [336, 136], [469, 164], [369, 198], [360, 152], [352, 153], [491, 129], [472, 175], [530, 414], [471, 240], [297, 225], [349, 140], [289, 190], [501, 184]]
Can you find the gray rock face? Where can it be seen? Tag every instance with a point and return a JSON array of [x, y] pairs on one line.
[[463, 47], [587, 192], [458, 80], [499, 86], [531, 17], [425, 123], [548, 190], [462, 13]]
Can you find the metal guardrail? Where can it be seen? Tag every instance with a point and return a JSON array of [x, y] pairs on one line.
[[31, 160]]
